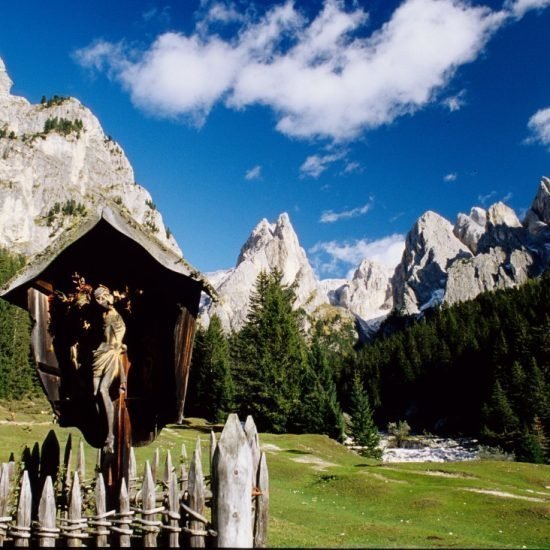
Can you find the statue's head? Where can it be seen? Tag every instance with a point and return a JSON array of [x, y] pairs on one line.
[[103, 296]]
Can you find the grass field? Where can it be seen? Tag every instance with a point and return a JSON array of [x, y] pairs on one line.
[[323, 495]]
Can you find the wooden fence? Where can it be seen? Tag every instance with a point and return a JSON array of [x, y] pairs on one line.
[[44, 502]]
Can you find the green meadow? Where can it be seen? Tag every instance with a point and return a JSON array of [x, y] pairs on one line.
[[324, 495]]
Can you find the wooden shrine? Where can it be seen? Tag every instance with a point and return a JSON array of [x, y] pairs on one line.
[[156, 295]]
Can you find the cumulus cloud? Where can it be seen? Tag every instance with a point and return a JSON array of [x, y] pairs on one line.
[[539, 125], [329, 216], [333, 256], [519, 8], [450, 177], [255, 173], [315, 165], [321, 76]]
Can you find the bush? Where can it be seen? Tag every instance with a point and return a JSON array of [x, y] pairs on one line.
[[399, 431]]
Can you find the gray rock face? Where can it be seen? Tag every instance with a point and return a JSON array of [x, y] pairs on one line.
[[470, 229], [46, 175], [270, 246], [420, 279], [368, 296], [537, 219]]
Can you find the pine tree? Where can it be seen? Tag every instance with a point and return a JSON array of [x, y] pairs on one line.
[[271, 359], [362, 429], [17, 376], [215, 390]]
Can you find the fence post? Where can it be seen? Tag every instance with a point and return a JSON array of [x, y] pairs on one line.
[[4, 494], [149, 525], [213, 444], [75, 524], [81, 462], [197, 530], [124, 517], [21, 531], [168, 469], [155, 465], [47, 531], [233, 490], [262, 505], [172, 524], [99, 520]]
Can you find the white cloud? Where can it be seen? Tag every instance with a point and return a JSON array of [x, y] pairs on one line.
[[332, 256], [455, 102], [484, 199], [451, 177], [352, 167], [319, 78], [539, 125], [329, 216], [315, 165], [255, 173], [519, 8]]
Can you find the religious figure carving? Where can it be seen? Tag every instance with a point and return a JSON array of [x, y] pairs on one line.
[[107, 362]]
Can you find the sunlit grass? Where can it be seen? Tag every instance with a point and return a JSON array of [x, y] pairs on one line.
[[323, 495]]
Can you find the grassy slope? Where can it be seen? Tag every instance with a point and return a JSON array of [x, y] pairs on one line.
[[326, 496]]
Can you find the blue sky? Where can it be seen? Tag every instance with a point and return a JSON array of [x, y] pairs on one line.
[[353, 117]]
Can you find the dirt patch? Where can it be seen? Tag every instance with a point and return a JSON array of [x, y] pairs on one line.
[[444, 473], [317, 463], [270, 447], [384, 478], [504, 494]]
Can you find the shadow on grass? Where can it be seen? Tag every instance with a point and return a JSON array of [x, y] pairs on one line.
[[204, 428], [297, 452]]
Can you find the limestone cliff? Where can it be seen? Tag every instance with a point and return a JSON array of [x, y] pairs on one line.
[[56, 163]]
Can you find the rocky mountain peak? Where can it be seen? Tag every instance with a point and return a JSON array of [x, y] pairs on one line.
[[420, 279], [501, 214], [470, 228], [270, 246], [57, 163], [5, 81], [537, 219]]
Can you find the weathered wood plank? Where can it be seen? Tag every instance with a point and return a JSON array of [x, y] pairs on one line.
[[75, 524], [149, 525], [155, 465], [173, 520], [212, 445], [124, 517], [100, 523], [232, 493], [21, 532], [196, 499], [4, 495], [47, 530], [81, 462], [168, 469], [262, 505]]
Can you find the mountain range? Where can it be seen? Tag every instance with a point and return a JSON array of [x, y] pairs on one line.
[[56, 164]]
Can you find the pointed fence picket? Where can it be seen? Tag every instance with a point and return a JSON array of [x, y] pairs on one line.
[[177, 506]]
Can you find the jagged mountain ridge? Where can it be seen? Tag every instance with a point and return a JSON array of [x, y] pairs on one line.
[[55, 164], [485, 250]]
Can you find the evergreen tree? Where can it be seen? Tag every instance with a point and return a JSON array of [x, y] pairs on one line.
[[214, 387], [17, 375], [271, 359], [362, 429]]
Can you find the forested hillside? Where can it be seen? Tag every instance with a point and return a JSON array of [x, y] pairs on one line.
[[17, 376], [479, 368]]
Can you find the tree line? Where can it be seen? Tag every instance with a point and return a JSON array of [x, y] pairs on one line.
[[480, 368]]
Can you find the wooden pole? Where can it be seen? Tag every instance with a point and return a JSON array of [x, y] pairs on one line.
[[262, 505], [149, 524], [125, 517], [81, 462], [100, 524], [196, 500], [75, 524], [47, 531], [172, 526], [4, 494], [233, 491], [168, 469], [21, 532]]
